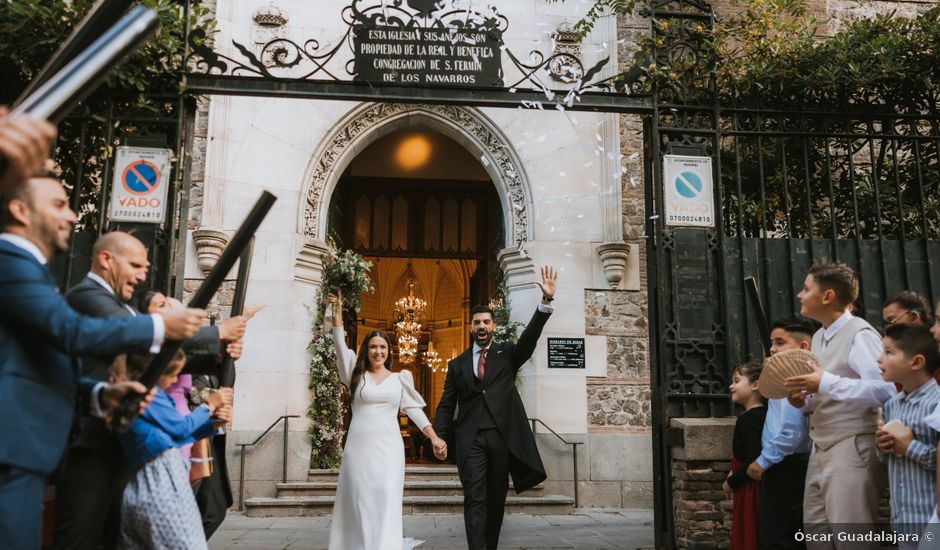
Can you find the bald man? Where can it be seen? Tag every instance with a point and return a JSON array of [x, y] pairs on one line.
[[40, 339], [88, 493]]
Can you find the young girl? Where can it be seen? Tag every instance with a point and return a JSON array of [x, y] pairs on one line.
[[159, 509], [746, 447]]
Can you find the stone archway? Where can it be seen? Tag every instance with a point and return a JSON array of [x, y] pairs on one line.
[[466, 126]]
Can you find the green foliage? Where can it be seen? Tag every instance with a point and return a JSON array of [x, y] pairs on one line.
[[32, 30], [144, 88], [326, 409], [785, 170], [507, 330], [349, 272]]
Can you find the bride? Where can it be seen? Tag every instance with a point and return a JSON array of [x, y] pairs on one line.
[[367, 510]]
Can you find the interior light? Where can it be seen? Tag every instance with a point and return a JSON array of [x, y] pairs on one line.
[[413, 152]]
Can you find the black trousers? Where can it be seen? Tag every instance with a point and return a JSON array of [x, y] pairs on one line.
[[88, 499], [485, 480], [781, 503], [210, 496]]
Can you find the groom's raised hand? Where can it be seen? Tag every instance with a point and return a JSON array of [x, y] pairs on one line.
[[548, 284]]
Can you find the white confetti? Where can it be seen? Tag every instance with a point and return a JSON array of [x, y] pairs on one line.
[[559, 107], [654, 217], [512, 90], [484, 160], [633, 181], [633, 156]]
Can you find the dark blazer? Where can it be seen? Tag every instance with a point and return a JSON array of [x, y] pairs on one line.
[[39, 378], [88, 297], [498, 394]]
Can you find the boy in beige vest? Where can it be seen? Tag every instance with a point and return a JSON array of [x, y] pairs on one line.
[[844, 480]]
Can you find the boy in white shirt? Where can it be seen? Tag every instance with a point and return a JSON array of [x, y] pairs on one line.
[[844, 479]]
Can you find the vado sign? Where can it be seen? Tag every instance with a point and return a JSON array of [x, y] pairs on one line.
[[689, 200], [141, 180]]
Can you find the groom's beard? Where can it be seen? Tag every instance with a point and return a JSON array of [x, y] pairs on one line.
[[482, 338]]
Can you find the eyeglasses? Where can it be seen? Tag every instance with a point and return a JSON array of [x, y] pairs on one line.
[[894, 319]]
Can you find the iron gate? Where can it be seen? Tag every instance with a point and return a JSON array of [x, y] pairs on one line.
[[791, 189], [87, 140]]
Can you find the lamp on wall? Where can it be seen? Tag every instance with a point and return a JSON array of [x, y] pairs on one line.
[[410, 310]]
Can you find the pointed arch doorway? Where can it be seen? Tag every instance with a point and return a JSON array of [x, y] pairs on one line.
[[425, 212]]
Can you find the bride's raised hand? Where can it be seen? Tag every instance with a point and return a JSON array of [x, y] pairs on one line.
[[336, 301]]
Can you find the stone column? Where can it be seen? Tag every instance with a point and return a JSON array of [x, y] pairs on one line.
[[701, 460]]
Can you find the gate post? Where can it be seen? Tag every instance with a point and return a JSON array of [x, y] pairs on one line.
[[700, 450]]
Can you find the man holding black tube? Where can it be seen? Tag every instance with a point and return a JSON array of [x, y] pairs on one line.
[[88, 491], [40, 335]]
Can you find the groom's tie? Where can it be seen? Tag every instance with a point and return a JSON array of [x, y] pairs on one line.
[[481, 364]]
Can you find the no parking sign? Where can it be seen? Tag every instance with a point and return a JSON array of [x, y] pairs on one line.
[[689, 200], [141, 180]]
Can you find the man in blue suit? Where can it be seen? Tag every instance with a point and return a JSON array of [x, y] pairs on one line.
[[40, 335]]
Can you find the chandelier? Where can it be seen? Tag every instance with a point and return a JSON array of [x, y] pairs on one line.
[[431, 358], [410, 310]]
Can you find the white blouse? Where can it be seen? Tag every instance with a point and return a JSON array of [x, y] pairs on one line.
[[411, 402]]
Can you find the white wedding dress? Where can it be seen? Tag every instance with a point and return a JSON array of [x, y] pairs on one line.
[[367, 511]]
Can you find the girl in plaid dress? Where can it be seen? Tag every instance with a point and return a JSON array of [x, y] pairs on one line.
[[158, 508]]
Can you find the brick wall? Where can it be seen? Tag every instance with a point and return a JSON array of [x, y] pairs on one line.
[[702, 511]]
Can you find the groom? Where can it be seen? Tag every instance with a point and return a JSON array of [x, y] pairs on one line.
[[492, 435]]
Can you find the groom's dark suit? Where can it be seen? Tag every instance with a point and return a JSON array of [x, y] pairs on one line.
[[492, 434]]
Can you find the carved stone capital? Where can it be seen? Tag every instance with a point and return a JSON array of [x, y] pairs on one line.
[[619, 259], [209, 246], [518, 268], [308, 268]]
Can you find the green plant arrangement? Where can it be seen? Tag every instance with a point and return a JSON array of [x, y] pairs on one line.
[[507, 330], [349, 272]]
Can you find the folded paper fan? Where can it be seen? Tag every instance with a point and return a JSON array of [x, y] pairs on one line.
[[785, 364]]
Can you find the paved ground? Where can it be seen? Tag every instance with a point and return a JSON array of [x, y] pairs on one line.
[[587, 529]]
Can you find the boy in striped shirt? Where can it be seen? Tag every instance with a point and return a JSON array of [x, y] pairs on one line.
[[910, 357]]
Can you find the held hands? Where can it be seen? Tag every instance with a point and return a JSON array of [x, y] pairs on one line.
[[181, 323], [548, 284], [440, 448]]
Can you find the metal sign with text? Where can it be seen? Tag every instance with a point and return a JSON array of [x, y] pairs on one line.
[[689, 197], [141, 181], [428, 56]]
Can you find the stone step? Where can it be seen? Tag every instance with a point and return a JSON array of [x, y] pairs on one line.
[[416, 473], [421, 487], [323, 505]]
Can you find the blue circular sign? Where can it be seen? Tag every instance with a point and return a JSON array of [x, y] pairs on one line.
[[688, 184], [141, 177]]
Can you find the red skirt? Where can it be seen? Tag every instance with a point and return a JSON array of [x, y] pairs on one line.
[[745, 513]]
